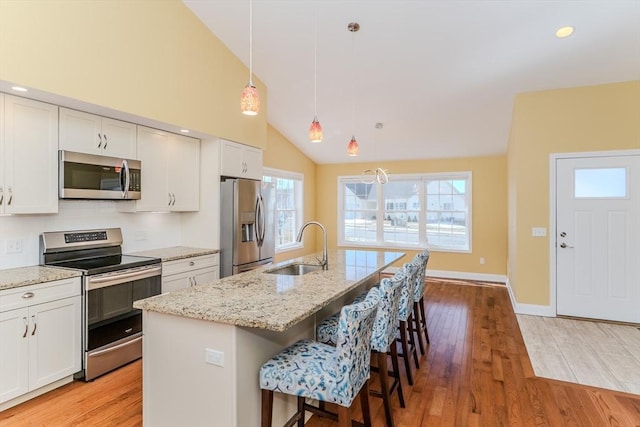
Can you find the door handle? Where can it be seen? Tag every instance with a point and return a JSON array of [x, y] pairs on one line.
[[564, 245]]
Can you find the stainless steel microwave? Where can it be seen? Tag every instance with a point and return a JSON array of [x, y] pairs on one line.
[[86, 176]]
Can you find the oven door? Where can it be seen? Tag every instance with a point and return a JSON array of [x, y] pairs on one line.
[[113, 327]]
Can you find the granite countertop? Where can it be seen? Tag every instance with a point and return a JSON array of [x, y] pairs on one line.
[[271, 301], [25, 276], [176, 253]]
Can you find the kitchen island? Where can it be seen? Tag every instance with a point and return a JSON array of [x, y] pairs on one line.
[[203, 346]]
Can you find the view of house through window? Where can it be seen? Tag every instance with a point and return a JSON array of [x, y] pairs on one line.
[[427, 210], [288, 206]]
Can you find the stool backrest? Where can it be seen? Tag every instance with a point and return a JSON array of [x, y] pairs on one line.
[[406, 294], [386, 324], [353, 346], [422, 258]]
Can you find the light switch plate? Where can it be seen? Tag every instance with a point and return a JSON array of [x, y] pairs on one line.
[[538, 231]]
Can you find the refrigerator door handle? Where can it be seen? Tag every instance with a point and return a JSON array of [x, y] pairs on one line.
[[258, 222], [263, 227]]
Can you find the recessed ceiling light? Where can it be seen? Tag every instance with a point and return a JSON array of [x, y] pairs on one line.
[[564, 32], [19, 88], [184, 130]]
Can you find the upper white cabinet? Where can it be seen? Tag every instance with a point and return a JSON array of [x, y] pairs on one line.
[[88, 133], [170, 171], [241, 161], [40, 336], [28, 156]]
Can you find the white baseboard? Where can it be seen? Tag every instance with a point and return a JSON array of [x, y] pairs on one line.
[[462, 275], [530, 309]]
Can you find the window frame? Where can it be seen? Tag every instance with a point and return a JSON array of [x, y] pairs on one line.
[[422, 217], [298, 203]]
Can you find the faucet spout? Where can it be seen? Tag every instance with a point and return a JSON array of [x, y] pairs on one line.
[[324, 262]]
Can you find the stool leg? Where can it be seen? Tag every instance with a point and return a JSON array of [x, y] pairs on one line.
[[424, 319], [267, 407], [418, 323], [396, 373], [301, 411], [344, 416], [384, 386], [412, 340], [405, 351], [364, 404]]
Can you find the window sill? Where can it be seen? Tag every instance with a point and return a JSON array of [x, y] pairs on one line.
[[289, 248]]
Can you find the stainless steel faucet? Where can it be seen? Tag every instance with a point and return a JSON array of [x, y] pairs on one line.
[[324, 262]]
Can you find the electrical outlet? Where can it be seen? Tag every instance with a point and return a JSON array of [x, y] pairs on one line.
[[13, 246], [482, 260], [140, 235], [214, 357]]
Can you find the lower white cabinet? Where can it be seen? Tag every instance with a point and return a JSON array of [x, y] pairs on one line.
[[40, 336], [192, 271]]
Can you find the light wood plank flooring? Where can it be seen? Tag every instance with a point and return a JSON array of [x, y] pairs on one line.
[[599, 354], [476, 373]]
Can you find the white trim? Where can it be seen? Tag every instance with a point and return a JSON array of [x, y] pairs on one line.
[[553, 157], [530, 309], [461, 275]]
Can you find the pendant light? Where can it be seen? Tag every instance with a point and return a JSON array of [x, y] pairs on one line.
[[352, 148], [250, 101], [315, 130]]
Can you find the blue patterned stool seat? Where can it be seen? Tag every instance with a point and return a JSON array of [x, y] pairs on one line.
[[309, 369]]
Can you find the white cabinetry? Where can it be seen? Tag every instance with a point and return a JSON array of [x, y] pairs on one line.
[[241, 161], [88, 133], [190, 272], [170, 171], [28, 156], [39, 336]]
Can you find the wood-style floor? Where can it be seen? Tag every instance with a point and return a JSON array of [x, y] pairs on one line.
[[476, 373]]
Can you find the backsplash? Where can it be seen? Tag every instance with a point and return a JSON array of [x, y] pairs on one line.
[[19, 234]]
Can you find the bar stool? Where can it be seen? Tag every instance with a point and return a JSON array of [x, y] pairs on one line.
[[420, 318], [405, 316], [382, 340], [310, 369]]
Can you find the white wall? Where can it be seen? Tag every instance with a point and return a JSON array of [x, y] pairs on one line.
[[140, 231]]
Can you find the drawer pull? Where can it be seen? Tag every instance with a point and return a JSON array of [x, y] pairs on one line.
[[28, 295], [26, 327], [191, 263]]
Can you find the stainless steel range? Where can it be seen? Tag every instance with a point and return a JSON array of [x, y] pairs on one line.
[[111, 282]]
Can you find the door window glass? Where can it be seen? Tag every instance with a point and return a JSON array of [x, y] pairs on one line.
[[600, 183]]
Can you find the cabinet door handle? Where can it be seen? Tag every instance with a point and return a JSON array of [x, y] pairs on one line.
[[28, 295], [99, 140], [10, 196], [169, 204], [26, 327], [173, 199], [35, 325], [106, 141], [195, 282], [1, 195]]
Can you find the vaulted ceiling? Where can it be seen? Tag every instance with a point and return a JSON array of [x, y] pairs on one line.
[[439, 75]]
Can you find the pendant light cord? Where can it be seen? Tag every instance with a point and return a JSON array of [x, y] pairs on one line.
[[315, 68], [251, 42], [353, 83]]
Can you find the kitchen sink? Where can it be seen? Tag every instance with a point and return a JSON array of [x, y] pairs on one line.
[[295, 269]]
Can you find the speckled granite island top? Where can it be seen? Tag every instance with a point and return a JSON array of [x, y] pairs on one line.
[[176, 252], [257, 299], [25, 276]]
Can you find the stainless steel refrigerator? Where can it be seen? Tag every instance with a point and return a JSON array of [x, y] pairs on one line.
[[247, 225]]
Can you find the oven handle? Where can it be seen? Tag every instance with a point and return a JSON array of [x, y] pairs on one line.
[[97, 282]]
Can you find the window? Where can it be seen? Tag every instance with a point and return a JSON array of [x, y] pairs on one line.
[[432, 210], [288, 207]]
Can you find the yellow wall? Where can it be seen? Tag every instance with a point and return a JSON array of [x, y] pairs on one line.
[[489, 227], [153, 59], [282, 154], [593, 118]]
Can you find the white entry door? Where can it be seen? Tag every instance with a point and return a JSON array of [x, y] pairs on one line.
[[598, 237]]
